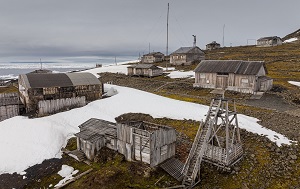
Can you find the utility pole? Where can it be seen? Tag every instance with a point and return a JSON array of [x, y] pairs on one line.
[[149, 48], [167, 35], [223, 34]]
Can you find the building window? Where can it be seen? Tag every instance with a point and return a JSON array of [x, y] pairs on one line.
[[202, 75]]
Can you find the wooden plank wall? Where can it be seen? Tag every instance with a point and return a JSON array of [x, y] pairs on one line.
[[46, 107], [8, 111]]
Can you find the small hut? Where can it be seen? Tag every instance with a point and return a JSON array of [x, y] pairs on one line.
[[95, 134], [186, 56], [140, 141], [146, 70], [47, 93], [213, 45], [153, 57], [269, 41], [235, 75]]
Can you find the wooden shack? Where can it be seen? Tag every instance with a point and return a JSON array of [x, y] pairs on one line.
[[152, 57], [140, 141], [145, 70], [146, 142], [235, 75], [47, 91], [95, 134], [9, 105], [213, 45], [269, 41], [186, 55]]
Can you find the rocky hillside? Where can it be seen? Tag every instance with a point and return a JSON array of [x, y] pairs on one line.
[[292, 36]]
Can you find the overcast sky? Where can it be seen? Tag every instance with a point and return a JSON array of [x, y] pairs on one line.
[[126, 27]]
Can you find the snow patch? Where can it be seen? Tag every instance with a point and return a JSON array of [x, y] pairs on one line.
[[297, 83], [36, 140], [291, 40], [67, 173], [182, 74]]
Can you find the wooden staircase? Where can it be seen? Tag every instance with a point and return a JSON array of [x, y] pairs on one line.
[[191, 168]]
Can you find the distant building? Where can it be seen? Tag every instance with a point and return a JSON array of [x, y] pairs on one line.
[[137, 141], [235, 75], [146, 70], [186, 56], [45, 93], [213, 45], [153, 57], [269, 41]]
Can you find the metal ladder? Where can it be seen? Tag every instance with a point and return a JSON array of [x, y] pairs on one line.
[[192, 165]]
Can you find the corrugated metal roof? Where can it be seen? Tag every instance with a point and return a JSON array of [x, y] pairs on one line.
[[153, 54], [40, 80], [229, 66], [83, 78]]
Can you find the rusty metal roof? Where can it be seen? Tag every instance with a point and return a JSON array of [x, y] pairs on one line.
[[229, 66], [41, 80]]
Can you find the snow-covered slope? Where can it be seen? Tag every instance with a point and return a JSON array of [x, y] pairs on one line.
[[25, 142], [296, 83]]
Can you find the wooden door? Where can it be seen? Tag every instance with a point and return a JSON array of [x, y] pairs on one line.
[[222, 82]]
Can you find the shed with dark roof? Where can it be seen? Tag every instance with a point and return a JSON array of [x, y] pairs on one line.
[[236, 75], [71, 89], [153, 57], [186, 55], [146, 70]]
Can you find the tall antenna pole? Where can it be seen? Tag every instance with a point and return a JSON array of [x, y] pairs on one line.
[[223, 34], [167, 36], [167, 31], [149, 48]]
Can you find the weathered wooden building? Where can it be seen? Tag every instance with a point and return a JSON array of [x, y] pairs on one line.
[[9, 105], [152, 57], [146, 70], [213, 45], [269, 41], [95, 134], [146, 142], [47, 91], [235, 75], [186, 55], [140, 141]]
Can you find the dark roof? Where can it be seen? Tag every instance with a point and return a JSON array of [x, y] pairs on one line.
[[268, 38], [229, 66], [49, 80], [41, 80], [213, 43], [185, 50], [153, 54], [144, 66]]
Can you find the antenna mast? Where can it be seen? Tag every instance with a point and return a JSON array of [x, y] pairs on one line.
[[167, 31], [223, 34]]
